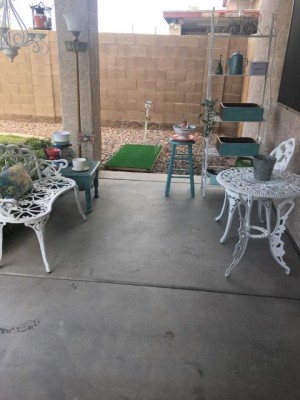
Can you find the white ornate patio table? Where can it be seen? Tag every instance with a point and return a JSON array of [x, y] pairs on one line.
[[283, 186]]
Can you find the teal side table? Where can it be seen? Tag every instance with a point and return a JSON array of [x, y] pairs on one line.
[[85, 180]]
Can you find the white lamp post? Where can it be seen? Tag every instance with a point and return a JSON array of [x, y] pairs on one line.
[[75, 26]]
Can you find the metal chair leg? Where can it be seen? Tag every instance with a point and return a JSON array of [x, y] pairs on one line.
[[39, 229]]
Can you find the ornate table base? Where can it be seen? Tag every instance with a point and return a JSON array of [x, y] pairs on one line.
[[246, 231]]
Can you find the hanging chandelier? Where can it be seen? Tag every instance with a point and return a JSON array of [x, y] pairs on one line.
[[12, 41]]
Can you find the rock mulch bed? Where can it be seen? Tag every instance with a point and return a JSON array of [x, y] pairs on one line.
[[114, 138]]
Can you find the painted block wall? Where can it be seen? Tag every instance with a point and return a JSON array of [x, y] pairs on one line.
[[29, 86], [282, 123], [170, 70]]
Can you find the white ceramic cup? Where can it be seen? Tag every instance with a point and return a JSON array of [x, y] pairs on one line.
[[79, 164]]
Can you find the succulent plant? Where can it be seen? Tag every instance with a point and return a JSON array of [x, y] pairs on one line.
[[209, 115]]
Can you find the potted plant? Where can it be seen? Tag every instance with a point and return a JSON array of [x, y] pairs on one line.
[[38, 145], [209, 116]]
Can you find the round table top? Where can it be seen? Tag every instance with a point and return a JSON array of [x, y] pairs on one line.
[[241, 180]]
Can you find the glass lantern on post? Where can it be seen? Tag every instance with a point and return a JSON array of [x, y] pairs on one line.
[[41, 16]]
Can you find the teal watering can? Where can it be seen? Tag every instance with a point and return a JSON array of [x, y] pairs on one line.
[[237, 63]]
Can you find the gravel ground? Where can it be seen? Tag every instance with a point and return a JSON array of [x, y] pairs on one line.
[[114, 138]]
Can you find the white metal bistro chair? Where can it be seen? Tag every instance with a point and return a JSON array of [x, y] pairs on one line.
[[283, 153]]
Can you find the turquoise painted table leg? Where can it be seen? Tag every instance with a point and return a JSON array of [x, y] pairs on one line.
[[170, 169], [88, 196], [96, 185], [88, 199]]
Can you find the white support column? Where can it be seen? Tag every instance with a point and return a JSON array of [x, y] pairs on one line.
[[89, 78]]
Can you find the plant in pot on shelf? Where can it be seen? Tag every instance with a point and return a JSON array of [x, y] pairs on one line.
[[209, 119], [209, 116]]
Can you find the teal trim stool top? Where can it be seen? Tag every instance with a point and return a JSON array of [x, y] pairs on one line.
[[182, 151]]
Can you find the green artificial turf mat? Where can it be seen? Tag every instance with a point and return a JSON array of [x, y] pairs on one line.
[[135, 157]]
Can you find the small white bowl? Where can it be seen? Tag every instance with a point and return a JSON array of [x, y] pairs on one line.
[[61, 136], [184, 132]]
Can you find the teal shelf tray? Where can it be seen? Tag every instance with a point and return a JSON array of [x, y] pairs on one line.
[[241, 112], [237, 146]]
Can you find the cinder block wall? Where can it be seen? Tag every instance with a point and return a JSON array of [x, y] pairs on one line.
[[170, 70], [166, 69], [29, 86]]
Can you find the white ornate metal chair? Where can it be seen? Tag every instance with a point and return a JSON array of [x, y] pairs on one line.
[[283, 153]]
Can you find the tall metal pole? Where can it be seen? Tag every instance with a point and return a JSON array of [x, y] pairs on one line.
[[77, 46], [78, 105]]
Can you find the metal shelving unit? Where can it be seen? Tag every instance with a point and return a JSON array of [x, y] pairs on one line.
[[266, 101]]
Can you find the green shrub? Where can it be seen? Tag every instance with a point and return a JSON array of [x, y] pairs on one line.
[[32, 143], [38, 145]]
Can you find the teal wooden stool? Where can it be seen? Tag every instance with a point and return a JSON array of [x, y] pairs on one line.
[[182, 151]]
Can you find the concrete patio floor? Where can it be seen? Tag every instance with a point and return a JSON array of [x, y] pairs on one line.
[[137, 306]]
